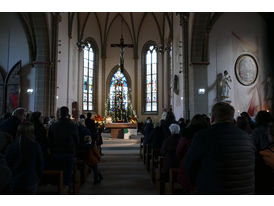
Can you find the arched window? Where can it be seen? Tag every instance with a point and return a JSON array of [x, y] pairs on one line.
[[118, 91], [89, 77], [151, 77]]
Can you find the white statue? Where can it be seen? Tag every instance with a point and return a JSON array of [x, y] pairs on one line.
[[225, 85]]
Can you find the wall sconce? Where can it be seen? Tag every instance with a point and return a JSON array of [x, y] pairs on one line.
[[201, 91], [30, 91]]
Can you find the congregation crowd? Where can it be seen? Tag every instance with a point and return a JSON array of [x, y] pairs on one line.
[[31, 144], [217, 155]]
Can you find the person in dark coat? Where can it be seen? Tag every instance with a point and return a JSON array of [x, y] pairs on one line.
[[264, 176], [40, 133], [221, 159], [243, 123], [198, 123], [90, 124], [5, 172], [168, 149], [25, 159], [10, 125], [260, 134], [63, 138], [147, 132]]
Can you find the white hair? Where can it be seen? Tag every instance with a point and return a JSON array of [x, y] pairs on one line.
[[174, 129]]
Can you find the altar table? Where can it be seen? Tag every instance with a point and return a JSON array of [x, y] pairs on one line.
[[117, 129]]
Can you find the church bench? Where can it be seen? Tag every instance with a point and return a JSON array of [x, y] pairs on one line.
[[160, 182], [148, 157], [174, 187], [141, 147], [154, 163], [53, 177]]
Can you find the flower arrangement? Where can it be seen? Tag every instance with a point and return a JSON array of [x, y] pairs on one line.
[[99, 121]]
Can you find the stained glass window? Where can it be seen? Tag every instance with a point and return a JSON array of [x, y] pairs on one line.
[[151, 100], [88, 87], [118, 91]]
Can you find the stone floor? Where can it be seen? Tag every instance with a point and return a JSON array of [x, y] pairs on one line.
[[123, 171]]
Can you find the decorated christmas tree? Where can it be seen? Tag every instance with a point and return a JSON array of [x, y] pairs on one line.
[[118, 104]]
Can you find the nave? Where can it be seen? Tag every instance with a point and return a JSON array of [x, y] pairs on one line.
[[123, 171]]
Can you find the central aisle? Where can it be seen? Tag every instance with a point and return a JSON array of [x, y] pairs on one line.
[[123, 171]]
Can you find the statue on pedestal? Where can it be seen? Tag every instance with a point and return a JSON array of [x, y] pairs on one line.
[[226, 87]]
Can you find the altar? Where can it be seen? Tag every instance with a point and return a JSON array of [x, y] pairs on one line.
[[117, 129]]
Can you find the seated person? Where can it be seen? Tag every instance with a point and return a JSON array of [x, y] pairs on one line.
[[25, 159], [168, 150], [5, 172]]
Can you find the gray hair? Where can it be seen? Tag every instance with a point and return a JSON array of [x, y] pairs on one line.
[[174, 129]]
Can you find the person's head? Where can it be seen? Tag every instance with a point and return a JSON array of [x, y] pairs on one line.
[[82, 122], [82, 116], [174, 129], [156, 124], [26, 130], [46, 120], [19, 113], [222, 112], [89, 115], [7, 116], [243, 123], [87, 138], [64, 112], [36, 116], [225, 73], [245, 114], [149, 120], [263, 118], [199, 121]]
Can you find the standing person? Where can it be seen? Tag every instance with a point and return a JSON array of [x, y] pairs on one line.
[[63, 138], [25, 159], [92, 158], [10, 125], [221, 159], [90, 124], [40, 133], [198, 123], [147, 131]]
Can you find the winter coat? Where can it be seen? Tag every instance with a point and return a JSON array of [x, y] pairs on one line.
[[221, 160], [63, 136]]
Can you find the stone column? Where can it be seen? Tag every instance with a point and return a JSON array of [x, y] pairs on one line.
[[184, 17]]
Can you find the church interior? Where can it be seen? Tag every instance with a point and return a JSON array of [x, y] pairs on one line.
[[122, 76]]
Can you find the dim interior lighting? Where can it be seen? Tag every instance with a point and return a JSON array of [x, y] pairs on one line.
[[57, 97], [267, 110], [182, 98], [30, 91], [201, 91]]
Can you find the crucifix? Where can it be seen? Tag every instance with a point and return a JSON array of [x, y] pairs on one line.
[[122, 46]]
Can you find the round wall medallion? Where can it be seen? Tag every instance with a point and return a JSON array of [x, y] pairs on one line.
[[246, 69]]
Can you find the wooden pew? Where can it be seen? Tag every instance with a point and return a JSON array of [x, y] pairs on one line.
[[160, 183], [173, 174], [53, 177], [141, 147], [148, 157], [154, 163]]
